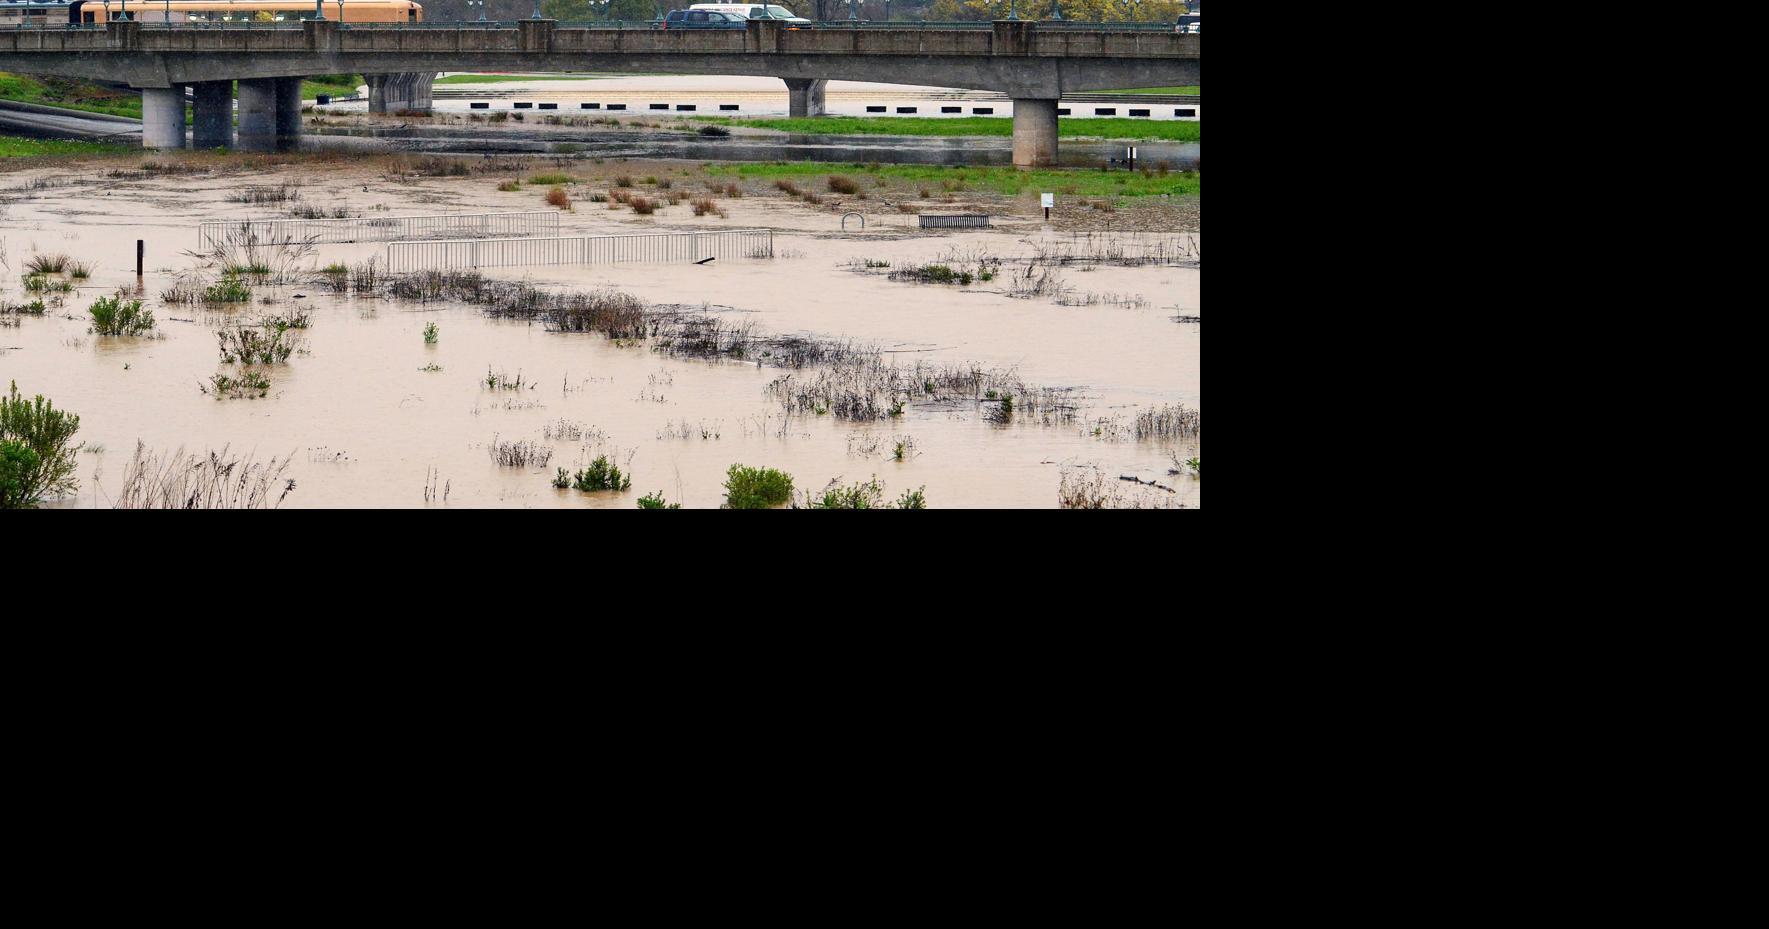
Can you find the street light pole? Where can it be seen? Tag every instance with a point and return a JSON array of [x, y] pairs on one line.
[[853, 16]]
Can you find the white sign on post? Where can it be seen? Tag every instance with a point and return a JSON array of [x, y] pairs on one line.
[[1049, 201]]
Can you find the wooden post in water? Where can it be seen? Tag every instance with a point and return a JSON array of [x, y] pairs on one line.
[[140, 253]]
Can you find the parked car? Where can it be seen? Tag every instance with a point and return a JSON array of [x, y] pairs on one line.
[[754, 11], [704, 19]]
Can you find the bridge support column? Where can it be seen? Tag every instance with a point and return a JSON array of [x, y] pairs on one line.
[[806, 96], [258, 115], [212, 122], [288, 113], [1034, 133], [401, 92], [162, 117]]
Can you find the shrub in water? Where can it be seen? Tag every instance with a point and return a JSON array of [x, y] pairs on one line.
[[656, 502], [37, 451], [17, 463], [602, 474], [268, 343], [113, 316], [249, 384], [47, 264], [756, 488], [227, 290]]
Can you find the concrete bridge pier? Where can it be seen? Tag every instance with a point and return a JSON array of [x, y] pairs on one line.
[[270, 114], [212, 115], [258, 115], [1034, 133], [162, 117], [288, 113], [806, 96], [401, 91]]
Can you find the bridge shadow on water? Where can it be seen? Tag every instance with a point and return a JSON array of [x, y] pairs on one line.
[[921, 150]]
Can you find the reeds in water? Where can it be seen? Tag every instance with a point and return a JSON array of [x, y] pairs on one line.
[[523, 454], [218, 481], [1175, 421], [260, 195], [270, 341]]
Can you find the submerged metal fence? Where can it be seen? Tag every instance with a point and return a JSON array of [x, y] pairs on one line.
[[381, 228], [444, 254]]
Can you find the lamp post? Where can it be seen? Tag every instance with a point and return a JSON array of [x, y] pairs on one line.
[[319, 9], [1013, 11], [853, 16], [481, 5], [537, 9], [1056, 9]]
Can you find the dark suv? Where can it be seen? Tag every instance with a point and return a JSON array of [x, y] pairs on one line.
[[703, 19]]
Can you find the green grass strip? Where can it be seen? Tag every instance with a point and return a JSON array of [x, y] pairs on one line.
[[1067, 127]]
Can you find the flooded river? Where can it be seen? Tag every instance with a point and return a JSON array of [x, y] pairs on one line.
[[372, 414]]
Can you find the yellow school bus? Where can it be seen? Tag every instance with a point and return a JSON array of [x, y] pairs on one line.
[[89, 12]]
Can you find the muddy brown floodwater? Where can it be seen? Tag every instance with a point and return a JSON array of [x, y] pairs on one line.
[[368, 410]]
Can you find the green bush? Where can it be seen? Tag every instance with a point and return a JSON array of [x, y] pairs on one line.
[[867, 495], [36, 442], [227, 290], [756, 488], [17, 463], [655, 501], [602, 474], [248, 385], [114, 316]]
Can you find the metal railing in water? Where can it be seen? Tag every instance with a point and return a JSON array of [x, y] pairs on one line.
[[381, 228], [661, 247]]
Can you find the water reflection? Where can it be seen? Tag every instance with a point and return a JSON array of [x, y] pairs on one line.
[[883, 149]]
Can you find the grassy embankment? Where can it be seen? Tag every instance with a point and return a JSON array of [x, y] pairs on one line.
[[514, 78], [79, 95], [1189, 91], [1067, 128], [11, 147], [1006, 181], [71, 95]]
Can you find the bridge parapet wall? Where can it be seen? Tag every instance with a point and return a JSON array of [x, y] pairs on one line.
[[542, 37]]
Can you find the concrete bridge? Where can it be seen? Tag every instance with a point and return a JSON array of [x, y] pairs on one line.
[[1033, 63]]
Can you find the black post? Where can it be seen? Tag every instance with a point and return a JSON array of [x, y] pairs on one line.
[[140, 254]]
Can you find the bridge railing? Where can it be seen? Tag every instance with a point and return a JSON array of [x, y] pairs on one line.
[[632, 24], [467, 24], [984, 24]]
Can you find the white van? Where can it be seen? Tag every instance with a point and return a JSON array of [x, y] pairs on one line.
[[753, 11]]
